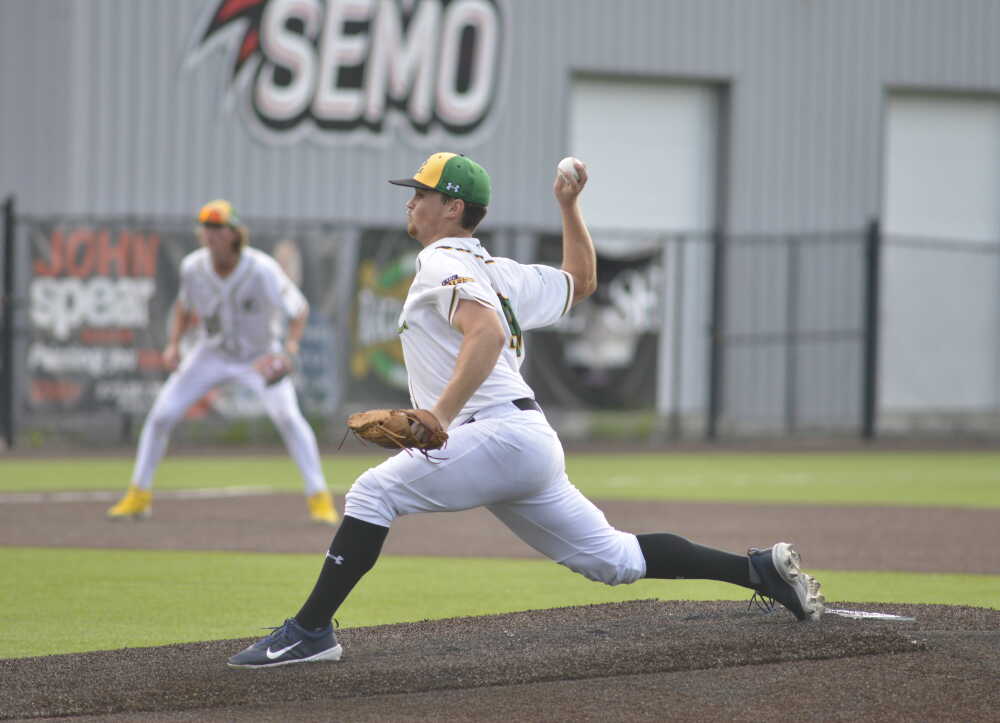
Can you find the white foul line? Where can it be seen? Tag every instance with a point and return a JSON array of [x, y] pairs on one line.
[[105, 496]]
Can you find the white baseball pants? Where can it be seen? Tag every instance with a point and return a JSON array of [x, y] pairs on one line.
[[511, 462], [200, 371]]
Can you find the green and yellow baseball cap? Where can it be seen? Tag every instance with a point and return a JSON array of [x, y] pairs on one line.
[[218, 213], [453, 175]]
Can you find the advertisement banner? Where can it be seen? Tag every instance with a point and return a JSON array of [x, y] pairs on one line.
[[386, 266], [99, 305], [603, 354], [97, 317]]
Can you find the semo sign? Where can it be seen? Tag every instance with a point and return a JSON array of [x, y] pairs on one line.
[[345, 69]]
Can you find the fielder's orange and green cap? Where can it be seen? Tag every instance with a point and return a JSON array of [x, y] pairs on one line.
[[453, 175], [218, 213]]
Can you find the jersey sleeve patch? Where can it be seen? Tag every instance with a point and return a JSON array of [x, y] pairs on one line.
[[455, 280]]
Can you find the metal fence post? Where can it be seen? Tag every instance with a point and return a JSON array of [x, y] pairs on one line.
[[671, 338], [869, 392], [7, 332], [716, 331], [793, 247], [679, 339]]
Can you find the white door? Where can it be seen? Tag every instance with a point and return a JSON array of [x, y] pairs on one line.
[[940, 271], [651, 148]]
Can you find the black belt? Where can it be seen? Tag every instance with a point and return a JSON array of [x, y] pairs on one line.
[[524, 404]]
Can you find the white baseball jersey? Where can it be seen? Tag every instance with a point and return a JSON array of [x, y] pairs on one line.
[[499, 455], [240, 320], [452, 269], [241, 313]]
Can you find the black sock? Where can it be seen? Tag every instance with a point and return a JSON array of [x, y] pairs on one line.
[[674, 557], [353, 552]]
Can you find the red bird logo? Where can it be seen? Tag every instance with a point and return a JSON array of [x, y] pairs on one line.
[[232, 12]]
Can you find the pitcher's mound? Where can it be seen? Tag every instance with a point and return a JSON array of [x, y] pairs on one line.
[[621, 661]]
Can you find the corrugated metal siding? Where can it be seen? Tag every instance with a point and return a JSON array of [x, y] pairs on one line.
[[34, 113], [110, 121]]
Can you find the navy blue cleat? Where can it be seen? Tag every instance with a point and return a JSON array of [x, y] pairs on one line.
[[782, 580], [290, 643]]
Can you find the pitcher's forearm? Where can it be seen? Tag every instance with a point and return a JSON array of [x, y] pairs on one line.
[[478, 355], [579, 256]]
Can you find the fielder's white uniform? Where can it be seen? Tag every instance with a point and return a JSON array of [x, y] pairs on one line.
[[239, 320], [498, 455]]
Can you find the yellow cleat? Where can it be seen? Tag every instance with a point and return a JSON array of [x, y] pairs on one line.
[[136, 504], [321, 509]]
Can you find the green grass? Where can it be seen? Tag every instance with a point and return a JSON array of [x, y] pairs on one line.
[[935, 479], [912, 479], [108, 599], [176, 472]]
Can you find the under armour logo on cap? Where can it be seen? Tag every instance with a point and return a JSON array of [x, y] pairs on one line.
[[453, 187]]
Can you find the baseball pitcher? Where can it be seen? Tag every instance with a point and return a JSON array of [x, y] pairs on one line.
[[462, 327], [233, 296]]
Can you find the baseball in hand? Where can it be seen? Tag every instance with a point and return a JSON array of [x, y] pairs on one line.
[[567, 167]]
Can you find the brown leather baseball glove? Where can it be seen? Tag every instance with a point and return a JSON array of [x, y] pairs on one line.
[[399, 428], [273, 367]]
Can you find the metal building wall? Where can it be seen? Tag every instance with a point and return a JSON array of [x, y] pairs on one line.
[[100, 114], [35, 114]]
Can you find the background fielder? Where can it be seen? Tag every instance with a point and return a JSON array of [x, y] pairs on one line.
[[234, 296], [461, 328]]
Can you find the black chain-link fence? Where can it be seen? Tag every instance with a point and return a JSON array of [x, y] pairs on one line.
[[694, 335]]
